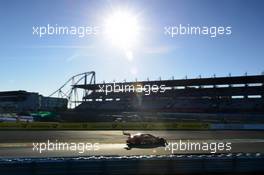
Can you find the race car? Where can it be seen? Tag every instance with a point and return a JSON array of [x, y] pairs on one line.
[[140, 140]]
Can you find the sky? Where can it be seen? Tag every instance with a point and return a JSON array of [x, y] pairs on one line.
[[42, 64]]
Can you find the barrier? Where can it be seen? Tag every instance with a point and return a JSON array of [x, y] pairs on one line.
[[103, 126], [144, 165], [227, 126], [237, 126], [126, 126]]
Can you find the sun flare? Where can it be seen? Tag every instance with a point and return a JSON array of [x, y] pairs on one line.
[[122, 29]]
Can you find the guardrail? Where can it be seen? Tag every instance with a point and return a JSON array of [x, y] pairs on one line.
[[144, 165], [101, 125], [126, 126]]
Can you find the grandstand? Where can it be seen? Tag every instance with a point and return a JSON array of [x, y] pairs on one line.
[[232, 96]]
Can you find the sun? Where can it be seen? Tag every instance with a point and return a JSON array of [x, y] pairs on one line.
[[122, 29]]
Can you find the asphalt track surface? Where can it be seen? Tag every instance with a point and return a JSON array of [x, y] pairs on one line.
[[18, 144]]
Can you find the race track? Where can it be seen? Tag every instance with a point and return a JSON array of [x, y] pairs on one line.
[[20, 143]]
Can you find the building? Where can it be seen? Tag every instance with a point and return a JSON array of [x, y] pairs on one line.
[[23, 101], [225, 99], [242, 94]]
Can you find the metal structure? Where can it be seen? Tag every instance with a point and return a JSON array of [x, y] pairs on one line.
[[70, 91], [220, 97]]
